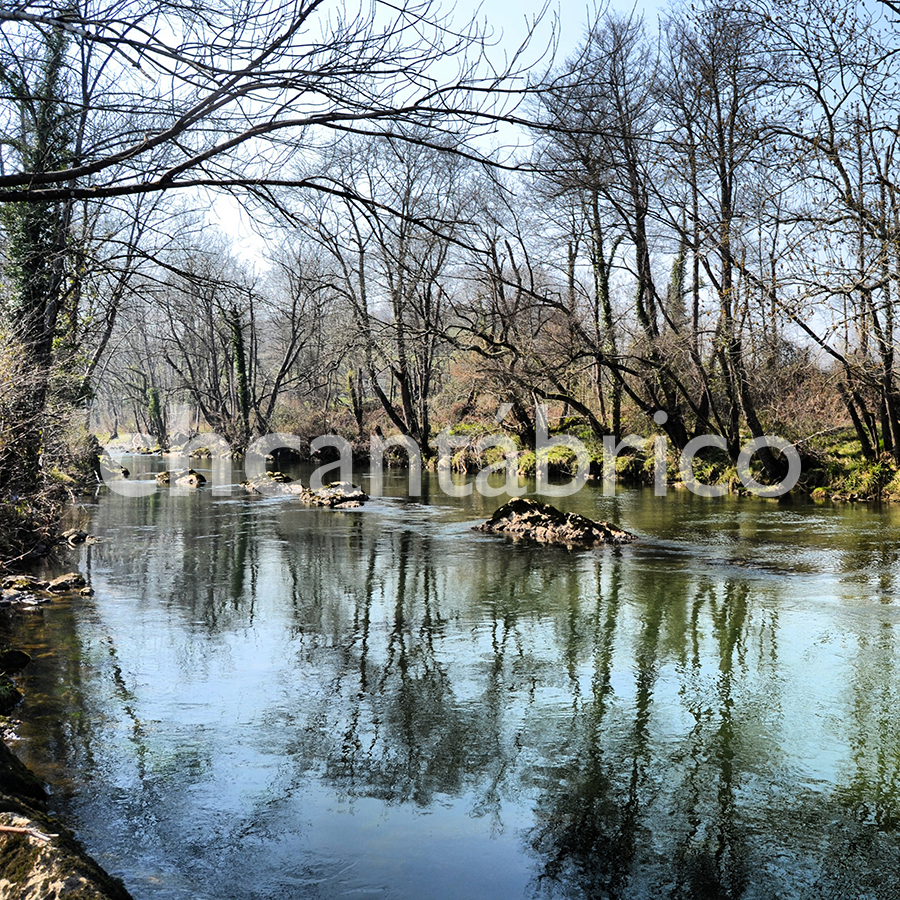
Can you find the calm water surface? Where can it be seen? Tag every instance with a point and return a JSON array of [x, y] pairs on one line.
[[264, 701]]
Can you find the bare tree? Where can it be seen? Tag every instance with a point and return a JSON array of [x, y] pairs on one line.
[[718, 90], [167, 95], [393, 251], [838, 82], [102, 100]]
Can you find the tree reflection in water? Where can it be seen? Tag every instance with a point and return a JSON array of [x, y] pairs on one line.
[[653, 723]]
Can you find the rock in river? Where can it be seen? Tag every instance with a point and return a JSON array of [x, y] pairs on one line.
[[337, 495], [530, 520], [181, 478], [272, 483], [23, 583], [72, 581]]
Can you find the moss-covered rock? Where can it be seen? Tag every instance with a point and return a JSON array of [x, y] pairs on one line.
[[183, 478], [338, 494], [71, 581], [530, 520]]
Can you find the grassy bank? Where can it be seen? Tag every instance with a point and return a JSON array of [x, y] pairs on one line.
[[833, 466]]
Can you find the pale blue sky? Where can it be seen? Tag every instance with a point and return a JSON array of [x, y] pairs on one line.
[[515, 17]]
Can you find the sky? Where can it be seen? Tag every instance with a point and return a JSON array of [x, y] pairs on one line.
[[515, 17]]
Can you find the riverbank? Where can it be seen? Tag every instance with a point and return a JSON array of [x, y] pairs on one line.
[[39, 857], [833, 464]]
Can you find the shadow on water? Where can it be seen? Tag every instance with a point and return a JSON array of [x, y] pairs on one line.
[[269, 701]]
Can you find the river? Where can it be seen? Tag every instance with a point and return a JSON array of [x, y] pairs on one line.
[[264, 701]]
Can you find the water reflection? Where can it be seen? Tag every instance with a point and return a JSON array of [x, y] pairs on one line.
[[264, 700]]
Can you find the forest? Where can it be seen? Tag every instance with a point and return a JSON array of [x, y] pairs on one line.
[[698, 215]]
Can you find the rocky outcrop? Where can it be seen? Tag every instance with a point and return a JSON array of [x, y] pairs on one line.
[[526, 519], [39, 858], [271, 484], [183, 478], [23, 583], [24, 590], [63, 584]]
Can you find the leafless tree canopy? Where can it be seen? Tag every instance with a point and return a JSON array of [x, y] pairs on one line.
[[162, 95]]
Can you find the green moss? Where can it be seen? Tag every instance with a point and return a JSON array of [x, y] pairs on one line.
[[561, 460], [630, 468], [18, 856], [834, 466]]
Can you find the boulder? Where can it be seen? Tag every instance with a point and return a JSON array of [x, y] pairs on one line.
[[190, 479], [39, 857], [526, 519], [23, 583], [72, 581], [185, 478], [272, 483], [337, 495]]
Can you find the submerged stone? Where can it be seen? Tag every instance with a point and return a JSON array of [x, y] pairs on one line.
[[530, 520]]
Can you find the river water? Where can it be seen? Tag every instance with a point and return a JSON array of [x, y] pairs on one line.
[[264, 701]]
